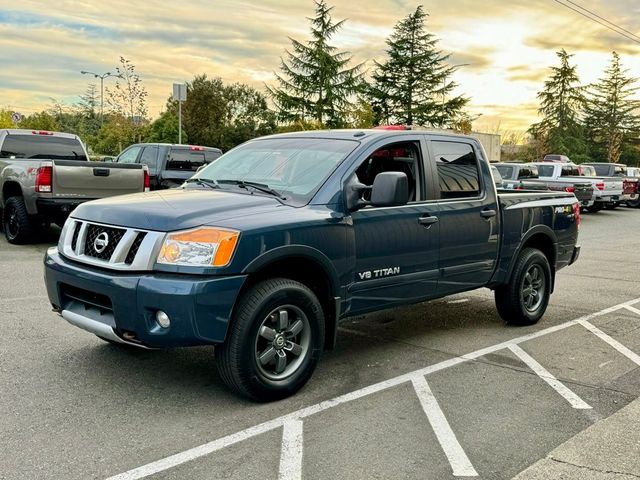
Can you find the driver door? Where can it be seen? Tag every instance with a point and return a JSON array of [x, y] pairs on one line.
[[395, 248]]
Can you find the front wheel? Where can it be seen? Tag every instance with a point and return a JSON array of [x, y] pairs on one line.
[[274, 341], [524, 299]]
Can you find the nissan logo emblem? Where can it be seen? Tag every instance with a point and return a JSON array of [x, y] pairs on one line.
[[101, 242]]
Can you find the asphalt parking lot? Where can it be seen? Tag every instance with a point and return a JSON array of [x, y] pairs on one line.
[[439, 390]]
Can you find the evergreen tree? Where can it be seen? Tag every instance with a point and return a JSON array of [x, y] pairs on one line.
[[316, 82], [611, 114], [561, 103], [89, 101], [411, 86]]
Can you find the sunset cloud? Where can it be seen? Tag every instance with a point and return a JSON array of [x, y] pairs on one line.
[[508, 45]]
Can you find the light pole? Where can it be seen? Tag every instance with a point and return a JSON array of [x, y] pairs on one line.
[[101, 77]]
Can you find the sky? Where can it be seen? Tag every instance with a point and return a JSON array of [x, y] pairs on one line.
[[507, 44]]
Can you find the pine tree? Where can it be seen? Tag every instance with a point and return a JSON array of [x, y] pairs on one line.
[[411, 85], [316, 82], [612, 117], [89, 101], [561, 103]]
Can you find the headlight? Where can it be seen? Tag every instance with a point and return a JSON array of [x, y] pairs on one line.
[[201, 247]]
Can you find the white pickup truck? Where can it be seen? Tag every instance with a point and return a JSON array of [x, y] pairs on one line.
[[606, 191]]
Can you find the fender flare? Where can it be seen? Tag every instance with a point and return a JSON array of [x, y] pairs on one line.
[[538, 229], [288, 251]]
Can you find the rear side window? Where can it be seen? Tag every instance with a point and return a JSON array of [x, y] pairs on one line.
[[184, 159], [458, 173], [602, 170], [619, 171], [150, 157], [42, 146], [570, 171], [130, 155], [526, 172]]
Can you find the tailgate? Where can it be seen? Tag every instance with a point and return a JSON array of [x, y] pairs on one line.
[[95, 179]]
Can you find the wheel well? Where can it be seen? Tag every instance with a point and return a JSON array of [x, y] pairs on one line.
[[10, 189], [543, 243], [311, 274]]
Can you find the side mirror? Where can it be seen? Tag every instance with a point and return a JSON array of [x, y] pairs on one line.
[[390, 189]]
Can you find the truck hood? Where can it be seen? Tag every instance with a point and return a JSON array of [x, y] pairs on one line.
[[175, 209]]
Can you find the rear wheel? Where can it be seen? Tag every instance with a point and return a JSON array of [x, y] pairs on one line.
[[18, 226], [634, 203], [524, 299], [274, 341]]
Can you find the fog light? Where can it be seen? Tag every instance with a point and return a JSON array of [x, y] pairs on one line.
[[163, 319]]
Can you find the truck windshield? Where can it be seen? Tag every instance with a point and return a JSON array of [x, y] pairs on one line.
[[293, 167], [42, 146]]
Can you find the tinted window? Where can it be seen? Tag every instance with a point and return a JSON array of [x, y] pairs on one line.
[[295, 167], [602, 170], [150, 157], [457, 169], [505, 171], [42, 146], [185, 159], [130, 155], [545, 170], [620, 171], [570, 171], [211, 155]]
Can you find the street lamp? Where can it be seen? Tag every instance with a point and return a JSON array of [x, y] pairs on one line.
[[101, 77]]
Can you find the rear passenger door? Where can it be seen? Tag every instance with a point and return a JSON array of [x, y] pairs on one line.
[[468, 215]]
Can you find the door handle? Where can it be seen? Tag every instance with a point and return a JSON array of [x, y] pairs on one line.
[[488, 213], [428, 220]]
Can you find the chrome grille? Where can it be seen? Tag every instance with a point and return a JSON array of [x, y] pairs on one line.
[[124, 249]]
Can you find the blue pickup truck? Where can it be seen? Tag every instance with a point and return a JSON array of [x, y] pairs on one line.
[[262, 252]]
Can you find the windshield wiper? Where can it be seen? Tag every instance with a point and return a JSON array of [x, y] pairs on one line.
[[263, 187], [203, 181]]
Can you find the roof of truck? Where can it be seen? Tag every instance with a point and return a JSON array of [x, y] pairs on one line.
[[366, 134], [29, 131]]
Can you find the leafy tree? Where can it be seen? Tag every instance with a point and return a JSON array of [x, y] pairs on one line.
[[164, 129], [5, 119], [223, 116], [561, 103], [411, 86], [316, 82], [116, 133], [41, 121], [612, 118]]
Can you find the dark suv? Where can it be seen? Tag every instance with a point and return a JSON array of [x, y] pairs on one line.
[[169, 164]]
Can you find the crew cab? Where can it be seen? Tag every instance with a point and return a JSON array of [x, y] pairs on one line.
[[630, 184], [45, 175], [520, 176], [263, 251], [565, 177], [169, 164]]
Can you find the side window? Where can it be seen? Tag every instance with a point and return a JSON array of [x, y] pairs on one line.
[[401, 157], [150, 157], [130, 155], [546, 170], [458, 173]]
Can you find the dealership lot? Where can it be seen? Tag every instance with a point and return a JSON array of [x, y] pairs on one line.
[[419, 392]]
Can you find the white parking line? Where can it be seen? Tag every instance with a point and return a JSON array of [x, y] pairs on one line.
[[632, 309], [634, 357], [291, 454], [544, 374], [210, 447], [460, 463]]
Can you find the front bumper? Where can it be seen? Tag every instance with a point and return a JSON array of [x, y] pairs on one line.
[[122, 306]]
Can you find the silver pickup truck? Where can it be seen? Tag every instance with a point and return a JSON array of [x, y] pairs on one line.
[[45, 175]]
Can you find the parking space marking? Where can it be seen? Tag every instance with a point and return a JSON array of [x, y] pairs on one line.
[[460, 463], [544, 374], [632, 309], [291, 455], [634, 357], [215, 445]]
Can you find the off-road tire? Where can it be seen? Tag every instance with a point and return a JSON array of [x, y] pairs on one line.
[[19, 227], [237, 359], [509, 298]]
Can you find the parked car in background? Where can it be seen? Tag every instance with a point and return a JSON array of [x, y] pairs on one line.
[[497, 178], [630, 185], [634, 172], [45, 175], [263, 251], [169, 164], [520, 176], [556, 158], [565, 177]]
